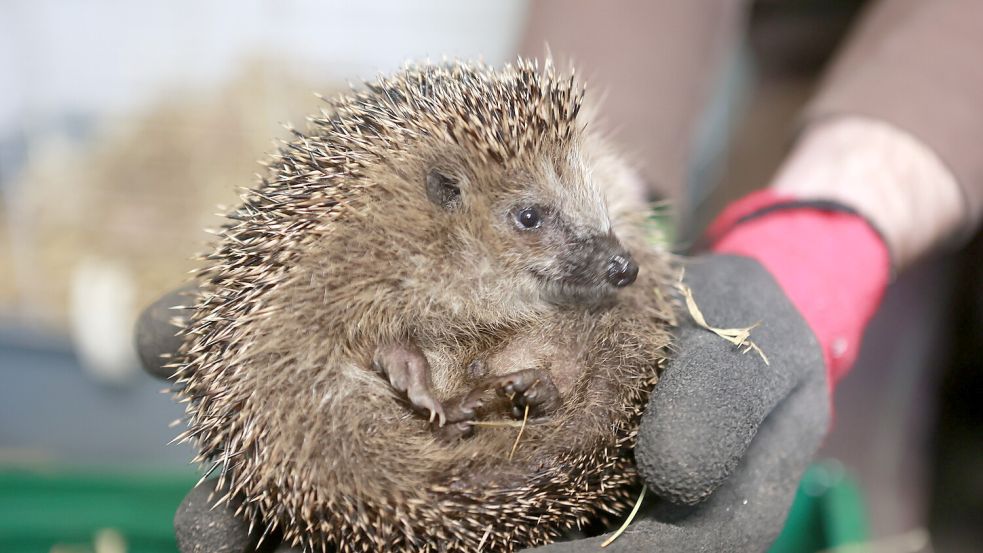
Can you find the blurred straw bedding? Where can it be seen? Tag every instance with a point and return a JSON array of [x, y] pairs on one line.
[[133, 199]]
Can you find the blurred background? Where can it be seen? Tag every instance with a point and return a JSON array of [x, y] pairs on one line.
[[124, 127]]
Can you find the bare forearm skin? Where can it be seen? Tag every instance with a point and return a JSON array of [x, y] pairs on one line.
[[893, 179]]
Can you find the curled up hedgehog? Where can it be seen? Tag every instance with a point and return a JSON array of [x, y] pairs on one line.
[[433, 325]]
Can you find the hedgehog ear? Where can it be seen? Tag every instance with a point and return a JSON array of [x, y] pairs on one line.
[[443, 190]]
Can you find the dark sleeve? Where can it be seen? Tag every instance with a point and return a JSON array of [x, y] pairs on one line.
[[918, 65], [654, 63]]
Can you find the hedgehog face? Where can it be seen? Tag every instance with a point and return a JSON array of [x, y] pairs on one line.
[[570, 263], [474, 187], [558, 229], [543, 225]]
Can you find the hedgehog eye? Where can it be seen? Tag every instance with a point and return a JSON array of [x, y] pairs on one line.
[[443, 190], [528, 218]]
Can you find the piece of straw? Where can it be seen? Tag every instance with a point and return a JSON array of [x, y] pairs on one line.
[[631, 517], [511, 424], [525, 417], [740, 337]]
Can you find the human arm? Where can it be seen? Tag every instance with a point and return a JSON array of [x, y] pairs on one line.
[[913, 67], [879, 177]]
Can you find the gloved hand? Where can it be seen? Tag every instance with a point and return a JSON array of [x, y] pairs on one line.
[[726, 436], [715, 493], [724, 431]]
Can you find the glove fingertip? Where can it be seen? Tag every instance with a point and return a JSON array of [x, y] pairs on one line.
[[156, 335], [201, 526], [670, 470], [669, 489]]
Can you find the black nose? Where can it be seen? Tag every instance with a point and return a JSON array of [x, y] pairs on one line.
[[622, 270]]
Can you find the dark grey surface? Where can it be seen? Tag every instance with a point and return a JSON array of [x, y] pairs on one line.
[[52, 411]]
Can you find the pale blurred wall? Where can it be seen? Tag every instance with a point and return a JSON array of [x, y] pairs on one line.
[[66, 68], [106, 57]]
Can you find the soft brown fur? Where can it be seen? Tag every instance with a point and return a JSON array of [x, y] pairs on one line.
[[340, 250]]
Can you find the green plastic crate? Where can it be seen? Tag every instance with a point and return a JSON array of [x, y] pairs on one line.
[[69, 511], [828, 513]]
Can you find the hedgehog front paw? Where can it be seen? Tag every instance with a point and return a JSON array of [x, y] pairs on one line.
[[409, 373], [532, 388], [461, 414]]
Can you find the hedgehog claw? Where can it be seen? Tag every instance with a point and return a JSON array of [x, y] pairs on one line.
[[434, 415], [409, 373], [460, 415]]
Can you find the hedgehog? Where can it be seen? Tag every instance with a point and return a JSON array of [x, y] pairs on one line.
[[433, 324]]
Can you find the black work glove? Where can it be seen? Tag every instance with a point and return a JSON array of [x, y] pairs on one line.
[[723, 442], [726, 437]]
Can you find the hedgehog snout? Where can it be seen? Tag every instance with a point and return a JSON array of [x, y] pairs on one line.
[[622, 270]]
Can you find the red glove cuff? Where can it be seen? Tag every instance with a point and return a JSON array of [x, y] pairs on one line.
[[831, 263]]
